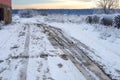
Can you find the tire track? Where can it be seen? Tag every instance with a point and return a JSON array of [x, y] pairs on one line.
[[23, 69], [40, 70], [81, 60], [12, 65]]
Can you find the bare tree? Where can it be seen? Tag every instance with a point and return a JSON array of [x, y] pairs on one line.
[[108, 5]]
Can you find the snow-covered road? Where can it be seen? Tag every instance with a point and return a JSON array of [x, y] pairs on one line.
[[29, 55], [76, 52], [41, 52], [33, 49]]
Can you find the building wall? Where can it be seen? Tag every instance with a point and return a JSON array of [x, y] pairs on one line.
[[6, 2], [7, 13]]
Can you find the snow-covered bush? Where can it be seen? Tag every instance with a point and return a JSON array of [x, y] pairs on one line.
[[106, 21], [26, 13], [95, 19], [43, 13], [89, 19], [116, 21], [62, 18], [92, 19]]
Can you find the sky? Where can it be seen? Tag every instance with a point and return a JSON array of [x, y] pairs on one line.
[[53, 4]]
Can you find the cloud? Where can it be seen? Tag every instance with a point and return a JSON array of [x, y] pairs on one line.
[[15, 2], [55, 4], [44, 1]]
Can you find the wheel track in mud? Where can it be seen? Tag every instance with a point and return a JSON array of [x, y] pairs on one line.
[[78, 56], [23, 69], [13, 58], [24, 59]]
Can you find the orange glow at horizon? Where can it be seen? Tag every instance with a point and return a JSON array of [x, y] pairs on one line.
[[58, 5]]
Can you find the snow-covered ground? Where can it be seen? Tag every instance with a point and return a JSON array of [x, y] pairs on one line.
[[103, 40], [22, 44], [24, 54]]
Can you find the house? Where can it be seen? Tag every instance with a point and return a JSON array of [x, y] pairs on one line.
[[5, 11]]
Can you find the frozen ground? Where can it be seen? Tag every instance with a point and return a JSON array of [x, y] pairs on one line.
[[27, 54], [103, 40], [58, 47]]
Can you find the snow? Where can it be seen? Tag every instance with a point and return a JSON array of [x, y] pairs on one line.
[[103, 40], [49, 68], [20, 49], [7, 39], [66, 72]]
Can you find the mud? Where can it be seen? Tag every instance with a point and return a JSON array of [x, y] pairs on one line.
[[74, 49]]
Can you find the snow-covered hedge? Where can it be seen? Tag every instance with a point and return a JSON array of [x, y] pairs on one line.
[[116, 21], [61, 18], [107, 20], [92, 19], [96, 19], [89, 19], [43, 13], [26, 13]]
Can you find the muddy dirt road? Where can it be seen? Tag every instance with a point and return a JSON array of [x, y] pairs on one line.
[[76, 52], [42, 52]]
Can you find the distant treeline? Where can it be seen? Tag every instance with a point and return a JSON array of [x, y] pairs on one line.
[[66, 11]]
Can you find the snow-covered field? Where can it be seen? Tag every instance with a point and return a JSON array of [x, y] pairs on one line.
[[103, 40], [25, 49]]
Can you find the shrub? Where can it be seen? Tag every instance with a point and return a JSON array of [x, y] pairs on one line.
[[43, 13], [116, 21], [106, 21], [26, 13], [95, 19], [92, 19], [89, 19]]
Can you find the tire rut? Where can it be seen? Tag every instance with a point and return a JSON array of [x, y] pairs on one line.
[[23, 69], [79, 57]]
